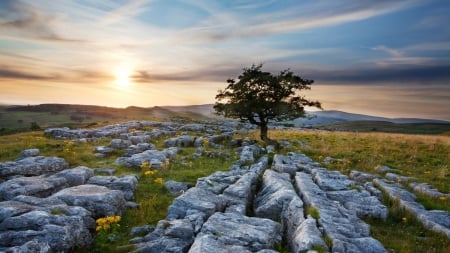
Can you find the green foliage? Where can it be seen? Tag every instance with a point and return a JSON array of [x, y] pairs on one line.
[[260, 97], [313, 212]]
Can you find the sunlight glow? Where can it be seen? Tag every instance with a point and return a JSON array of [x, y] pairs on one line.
[[123, 77]]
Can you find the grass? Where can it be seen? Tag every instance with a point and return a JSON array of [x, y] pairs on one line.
[[425, 158]]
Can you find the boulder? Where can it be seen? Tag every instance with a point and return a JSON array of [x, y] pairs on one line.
[[28, 153], [239, 195], [99, 200], [306, 236], [76, 176], [127, 184], [40, 186], [397, 178], [428, 190], [119, 143], [32, 166], [195, 200], [233, 229], [331, 180], [276, 191], [54, 229], [176, 188], [180, 141]]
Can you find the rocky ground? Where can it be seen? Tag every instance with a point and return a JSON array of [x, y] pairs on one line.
[[45, 206]]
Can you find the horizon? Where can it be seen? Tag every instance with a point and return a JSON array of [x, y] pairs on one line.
[[379, 58], [309, 109]]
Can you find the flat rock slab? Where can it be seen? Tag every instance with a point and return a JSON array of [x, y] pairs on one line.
[[435, 220], [99, 200], [236, 231], [39, 186], [32, 166], [57, 228]]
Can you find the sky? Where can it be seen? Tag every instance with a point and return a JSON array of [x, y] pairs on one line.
[[378, 57]]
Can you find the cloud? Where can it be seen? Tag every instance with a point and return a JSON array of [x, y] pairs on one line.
[[301, 18], [20, 19], [390, 51], [128, 10], [397, 75]]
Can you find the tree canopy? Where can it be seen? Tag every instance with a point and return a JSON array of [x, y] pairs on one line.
[[260, 97]]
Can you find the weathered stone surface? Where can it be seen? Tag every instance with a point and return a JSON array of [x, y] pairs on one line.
[[292, 216], [361, 202], [330, 160], [361, 176], [76, 176], [32, 166], [168, 236], [218, 181], [435, 220], [145, 229], [233, 229], [156, 158], [141, 138], [239, 195], [339, 223], [103, 150], [277, 190], [138, 148], [247, 155], [127, 184], [119, 143], [176, 188], [383, 169], [306, 236], [331, 180], [28, 153], [397, 178], [428, 190], [180, 141], [40, 186], [99, 200], [58, 228], [291, 163], [195, 200]]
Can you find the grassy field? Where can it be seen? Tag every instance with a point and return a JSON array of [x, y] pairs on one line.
[[424, 157], [388, 127]]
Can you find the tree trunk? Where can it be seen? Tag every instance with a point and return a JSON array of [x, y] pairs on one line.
[[263, 132]]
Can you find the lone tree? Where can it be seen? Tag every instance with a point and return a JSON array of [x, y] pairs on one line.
[[260, 97]]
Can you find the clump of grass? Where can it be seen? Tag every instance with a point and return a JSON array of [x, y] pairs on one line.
[[314, 212]]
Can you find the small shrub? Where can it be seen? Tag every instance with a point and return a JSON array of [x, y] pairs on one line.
[[313, 212]]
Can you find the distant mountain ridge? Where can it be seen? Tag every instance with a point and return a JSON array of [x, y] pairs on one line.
[[328, 117]]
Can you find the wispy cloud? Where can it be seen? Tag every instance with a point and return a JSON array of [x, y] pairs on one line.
[[126, 11]]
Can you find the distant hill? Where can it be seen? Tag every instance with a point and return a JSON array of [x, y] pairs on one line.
[[329, 117]]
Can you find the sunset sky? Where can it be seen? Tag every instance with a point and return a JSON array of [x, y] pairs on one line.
[[378, 57]]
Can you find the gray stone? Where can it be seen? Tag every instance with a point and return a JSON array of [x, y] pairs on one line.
[[176, 188], [306, 236], [330, 160], [57, 229], [40, 186], [247, 155], [428, 190], [136, 139], [76, 176], [141, 230], [138, 148], [291, 163], [276, 191], [99, 200], [156, 158], [195, 200], [127, 184], [219, 181], [331, 180], [338, 222], [208, 243], [239, 195], [103, 150], [30, 247], [361, 202], [435, 220], [292, 216], [32, 166], [180, 141], [119, 143], [233, 229], [361, 176], [28, 153], [382, 169], [397, 178]]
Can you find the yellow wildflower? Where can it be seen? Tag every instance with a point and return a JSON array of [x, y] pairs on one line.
[[443, 198], [146, 165], [404, 219], [158, 180]]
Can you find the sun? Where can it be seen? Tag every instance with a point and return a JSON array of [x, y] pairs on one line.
[[122, 77]]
